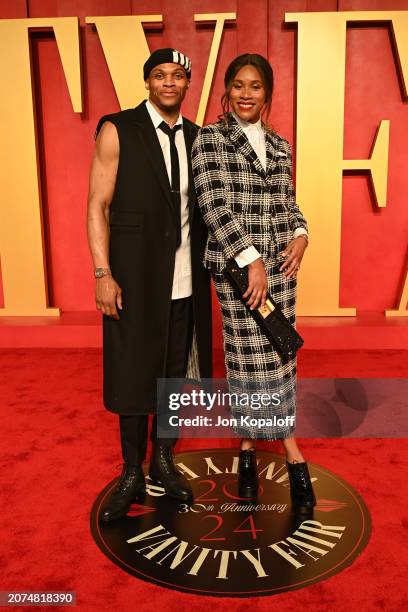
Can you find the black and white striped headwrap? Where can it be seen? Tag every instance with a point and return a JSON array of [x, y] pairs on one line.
[[167, 56]]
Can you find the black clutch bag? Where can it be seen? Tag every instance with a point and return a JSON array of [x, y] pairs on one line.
[[271, 319]]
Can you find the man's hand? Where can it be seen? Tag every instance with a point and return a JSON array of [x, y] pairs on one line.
[[108, 295], [257, 284], [294, 253]]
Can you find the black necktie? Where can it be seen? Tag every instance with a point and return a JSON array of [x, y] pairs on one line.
[[175, 174]]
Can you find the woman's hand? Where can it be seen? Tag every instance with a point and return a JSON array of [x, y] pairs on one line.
[[257, 284], [294, 253]]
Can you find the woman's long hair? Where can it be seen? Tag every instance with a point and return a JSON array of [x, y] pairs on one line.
[[265, 72]]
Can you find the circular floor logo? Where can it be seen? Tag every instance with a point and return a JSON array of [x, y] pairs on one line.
[[223, 545]]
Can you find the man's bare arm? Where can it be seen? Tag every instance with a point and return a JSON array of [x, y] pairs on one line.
[[102, 180], [101, 187]]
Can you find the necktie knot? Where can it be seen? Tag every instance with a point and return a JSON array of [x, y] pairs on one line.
[[171, 132]]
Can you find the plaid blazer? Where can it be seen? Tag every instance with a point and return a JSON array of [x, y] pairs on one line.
[[241, 203]]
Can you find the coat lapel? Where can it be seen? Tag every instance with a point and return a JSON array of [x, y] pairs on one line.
[[270, 153], [188, 139], [148, 136], [241, 143]]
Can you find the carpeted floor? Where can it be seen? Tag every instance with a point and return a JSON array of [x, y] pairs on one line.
[[59, 447]]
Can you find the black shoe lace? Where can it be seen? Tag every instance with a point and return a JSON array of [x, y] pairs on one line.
[[166, 461], [128, 478]]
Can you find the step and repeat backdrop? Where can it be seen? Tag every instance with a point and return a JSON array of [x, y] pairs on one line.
[[340, 98]]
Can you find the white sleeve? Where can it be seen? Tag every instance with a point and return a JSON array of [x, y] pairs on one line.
[[247, 256], [299, 231]]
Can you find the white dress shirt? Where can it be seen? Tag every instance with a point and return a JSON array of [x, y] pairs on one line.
[[256, 136], [182, 280]]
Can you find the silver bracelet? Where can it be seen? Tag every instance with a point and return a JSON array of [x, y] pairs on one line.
[[100, 272]]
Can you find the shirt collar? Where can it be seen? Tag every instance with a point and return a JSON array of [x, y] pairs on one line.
[[246, 125], [156, 117]]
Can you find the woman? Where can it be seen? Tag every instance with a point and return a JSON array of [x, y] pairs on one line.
[[243, 179]]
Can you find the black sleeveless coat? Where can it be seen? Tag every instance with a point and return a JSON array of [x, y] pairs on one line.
[[142, 255]]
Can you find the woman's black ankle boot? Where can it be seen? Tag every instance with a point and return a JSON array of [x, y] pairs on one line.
[[247, 474], [301, 490]]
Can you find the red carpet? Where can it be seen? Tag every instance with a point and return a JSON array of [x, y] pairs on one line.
[[60, 447]]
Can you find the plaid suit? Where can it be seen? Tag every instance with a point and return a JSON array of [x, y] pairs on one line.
[[243, 205]]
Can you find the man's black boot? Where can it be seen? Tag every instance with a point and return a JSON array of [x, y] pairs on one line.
[[247, 474], [301, 490], [163, 470], [131, 484]]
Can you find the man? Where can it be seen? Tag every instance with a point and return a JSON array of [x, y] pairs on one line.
[[147, 239]]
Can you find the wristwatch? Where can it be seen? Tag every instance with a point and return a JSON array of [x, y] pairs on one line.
[[100, 272]]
